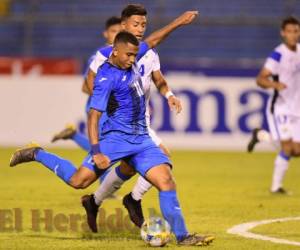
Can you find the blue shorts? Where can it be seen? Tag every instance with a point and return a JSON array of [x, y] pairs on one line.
[[139, 152]]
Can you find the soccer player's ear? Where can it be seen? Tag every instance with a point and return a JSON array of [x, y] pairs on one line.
[[115, 53], [105, 34], [123, 25]]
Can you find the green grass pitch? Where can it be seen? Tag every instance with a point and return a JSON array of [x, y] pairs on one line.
[[217, 190]]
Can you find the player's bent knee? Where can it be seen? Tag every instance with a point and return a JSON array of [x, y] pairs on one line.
[[166, 183], [77, 184]]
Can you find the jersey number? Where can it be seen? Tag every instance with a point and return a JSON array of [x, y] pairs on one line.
[[142, 70]]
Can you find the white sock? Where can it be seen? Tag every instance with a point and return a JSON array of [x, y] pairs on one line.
[[111, 183], [280, 167], [141, 187], [264, 136]]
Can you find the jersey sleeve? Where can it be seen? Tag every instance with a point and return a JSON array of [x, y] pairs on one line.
[[88, 65], [156, 62], [103, 86], [272, 62], [98, 60], [143, 48]]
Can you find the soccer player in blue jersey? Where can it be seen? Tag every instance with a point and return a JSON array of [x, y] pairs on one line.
[[124, 135], [134, 21], [112, 28], [87, 173]]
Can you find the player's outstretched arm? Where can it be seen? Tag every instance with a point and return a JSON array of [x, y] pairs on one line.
[[264, 81], [163, 88], [100, 160], [158, 36]]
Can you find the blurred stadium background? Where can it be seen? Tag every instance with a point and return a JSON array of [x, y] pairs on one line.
[[211, 65]]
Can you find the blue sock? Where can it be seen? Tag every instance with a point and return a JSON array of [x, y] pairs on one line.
[[284, 156], [61, 167], [82, 141], [171, 211], [102, 177]]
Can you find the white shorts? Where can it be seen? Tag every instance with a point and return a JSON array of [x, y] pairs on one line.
[[283, 126], [154, 136]]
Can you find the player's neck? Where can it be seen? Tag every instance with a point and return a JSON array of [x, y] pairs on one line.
[[113, 62], [291, 47]]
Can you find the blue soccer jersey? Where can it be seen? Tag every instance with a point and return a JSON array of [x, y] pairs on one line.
[[119, 93]]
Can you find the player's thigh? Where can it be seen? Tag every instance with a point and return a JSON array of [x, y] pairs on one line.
[[161, 177], [149, 155], [280, 125]]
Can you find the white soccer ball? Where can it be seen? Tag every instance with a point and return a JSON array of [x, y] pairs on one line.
[[156, 232]]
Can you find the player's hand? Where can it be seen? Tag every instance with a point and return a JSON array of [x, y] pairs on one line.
[[280, 86], [101, 161], [174, 104], [187, 17]]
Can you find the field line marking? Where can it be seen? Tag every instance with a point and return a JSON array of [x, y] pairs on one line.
[[242, 230]]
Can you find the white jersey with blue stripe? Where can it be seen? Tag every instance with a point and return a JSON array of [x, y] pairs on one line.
[[285, 64]]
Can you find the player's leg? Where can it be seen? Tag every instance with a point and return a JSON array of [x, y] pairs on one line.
[[63, 168], [71, 133], [132, 200], [282, 125], [155, 166]]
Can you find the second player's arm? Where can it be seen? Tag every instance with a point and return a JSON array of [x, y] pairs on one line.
[[163, 88], [264, 80], [158, 36], [85, 89]]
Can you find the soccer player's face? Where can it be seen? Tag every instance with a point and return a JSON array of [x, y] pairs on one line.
[[110, 33], [125, 54], [136, 25], [291, 34]]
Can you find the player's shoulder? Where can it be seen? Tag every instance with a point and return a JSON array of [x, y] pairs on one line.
[[105, 71], [150, 55], [105, 51], [277, 53]]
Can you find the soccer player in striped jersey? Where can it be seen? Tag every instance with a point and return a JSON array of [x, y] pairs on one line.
[[281, 72]]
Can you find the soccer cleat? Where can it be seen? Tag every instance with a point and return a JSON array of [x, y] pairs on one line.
[[91, 209], [281, 191], [65, 134], [196, 240], [254, 140], [134, 209], [25, 154]]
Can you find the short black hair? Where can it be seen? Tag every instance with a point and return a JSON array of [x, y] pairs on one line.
[[126, 37], [112, 21], [289, 20], [133, 9]]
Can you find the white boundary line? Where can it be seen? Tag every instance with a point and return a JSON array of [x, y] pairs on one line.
[[242, 230]]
